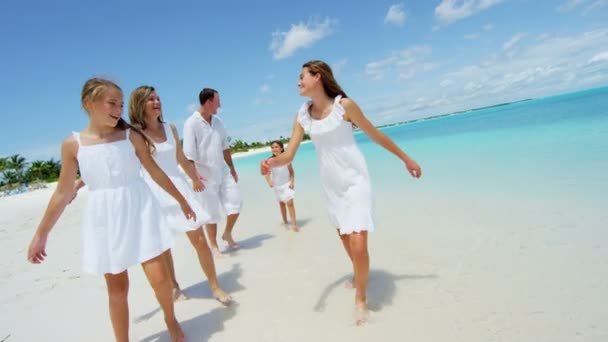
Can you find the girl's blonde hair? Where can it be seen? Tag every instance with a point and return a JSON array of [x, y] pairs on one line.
[[93, 89]]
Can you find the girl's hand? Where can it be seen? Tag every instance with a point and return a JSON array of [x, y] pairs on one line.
[[413, 168], [36, 251], [291, 185], [198, 184], [265, 167], [270, 184], [188, 212], [73, 196]]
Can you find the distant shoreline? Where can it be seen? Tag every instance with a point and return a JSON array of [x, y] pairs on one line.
[[452, 113]]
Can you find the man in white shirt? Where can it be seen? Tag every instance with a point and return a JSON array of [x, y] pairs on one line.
[[206, 145]]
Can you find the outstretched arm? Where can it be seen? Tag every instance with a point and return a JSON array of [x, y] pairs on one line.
[[356, 116], [158, 175], [59, 200], [286, 157]]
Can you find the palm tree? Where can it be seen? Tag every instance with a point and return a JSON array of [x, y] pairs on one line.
[[37, 171], [16, 164], [3, 163]]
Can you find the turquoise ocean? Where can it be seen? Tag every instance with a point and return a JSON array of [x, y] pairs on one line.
[[552, 149]]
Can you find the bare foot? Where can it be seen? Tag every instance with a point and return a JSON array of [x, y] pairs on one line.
[[295, 228], [222, 296], [175, 331], [178, 294], [349, 284], [217, 254], [231, 243], [361, 314]]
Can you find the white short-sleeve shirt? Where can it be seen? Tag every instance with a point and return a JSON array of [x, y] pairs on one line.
[[204, 144]]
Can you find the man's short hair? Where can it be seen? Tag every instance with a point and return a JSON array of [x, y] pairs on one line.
[[206, 94]]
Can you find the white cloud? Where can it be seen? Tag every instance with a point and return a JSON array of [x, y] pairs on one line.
[[264, 96], [543, 36], [446, 83], [449, 11], [488, 27], [405, 64], [595, 6], [508, 45], [338, 66], [191, 107], [554, 65], [299, 36], [600, 57], [396, 15], [471, 36], [569, 5]]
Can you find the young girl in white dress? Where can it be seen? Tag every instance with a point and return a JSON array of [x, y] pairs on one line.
[[329, 118], [145, 113], [122, 224], [281, 179]]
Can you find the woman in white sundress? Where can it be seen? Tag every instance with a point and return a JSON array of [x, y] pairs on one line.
[[281, 179], [145, 113], [123, 224], [329, 118]]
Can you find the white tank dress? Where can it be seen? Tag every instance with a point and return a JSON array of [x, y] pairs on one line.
[[122, 224], [280, 184], [165, 157], [344, 174]]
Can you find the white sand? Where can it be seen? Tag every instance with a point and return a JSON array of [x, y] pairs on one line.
[[446, 266]]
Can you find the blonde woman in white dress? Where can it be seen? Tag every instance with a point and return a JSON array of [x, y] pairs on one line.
[[145, 113], [329, 117]]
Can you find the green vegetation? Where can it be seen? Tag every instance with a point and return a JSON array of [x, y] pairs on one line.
[[243, 146], [15, 171]]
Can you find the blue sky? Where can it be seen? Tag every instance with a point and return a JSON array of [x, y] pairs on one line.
[[398, 60]]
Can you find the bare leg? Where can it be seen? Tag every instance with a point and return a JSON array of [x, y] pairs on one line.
[[227, 236], [283, 212], [156, 273], [212, 233], [205, 258], [118, 290], [168, 260], [292, 215], [360, 257], [349, 284]]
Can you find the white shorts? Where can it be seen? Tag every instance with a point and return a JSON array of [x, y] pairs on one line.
[[217, 198]]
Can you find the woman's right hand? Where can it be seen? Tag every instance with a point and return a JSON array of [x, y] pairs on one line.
[[265, 167], [198, 185], [188, 212], [36, 251]]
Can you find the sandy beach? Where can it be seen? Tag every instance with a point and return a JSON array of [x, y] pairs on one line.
[[500, 270]]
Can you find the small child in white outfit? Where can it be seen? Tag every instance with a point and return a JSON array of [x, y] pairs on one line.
[[281, 180]]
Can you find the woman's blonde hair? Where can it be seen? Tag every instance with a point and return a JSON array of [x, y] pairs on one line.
[[137, 105]]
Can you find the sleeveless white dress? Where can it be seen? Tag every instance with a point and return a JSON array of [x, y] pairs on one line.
[[122, 224], [280, 184], [165, 157], [344, 174]]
